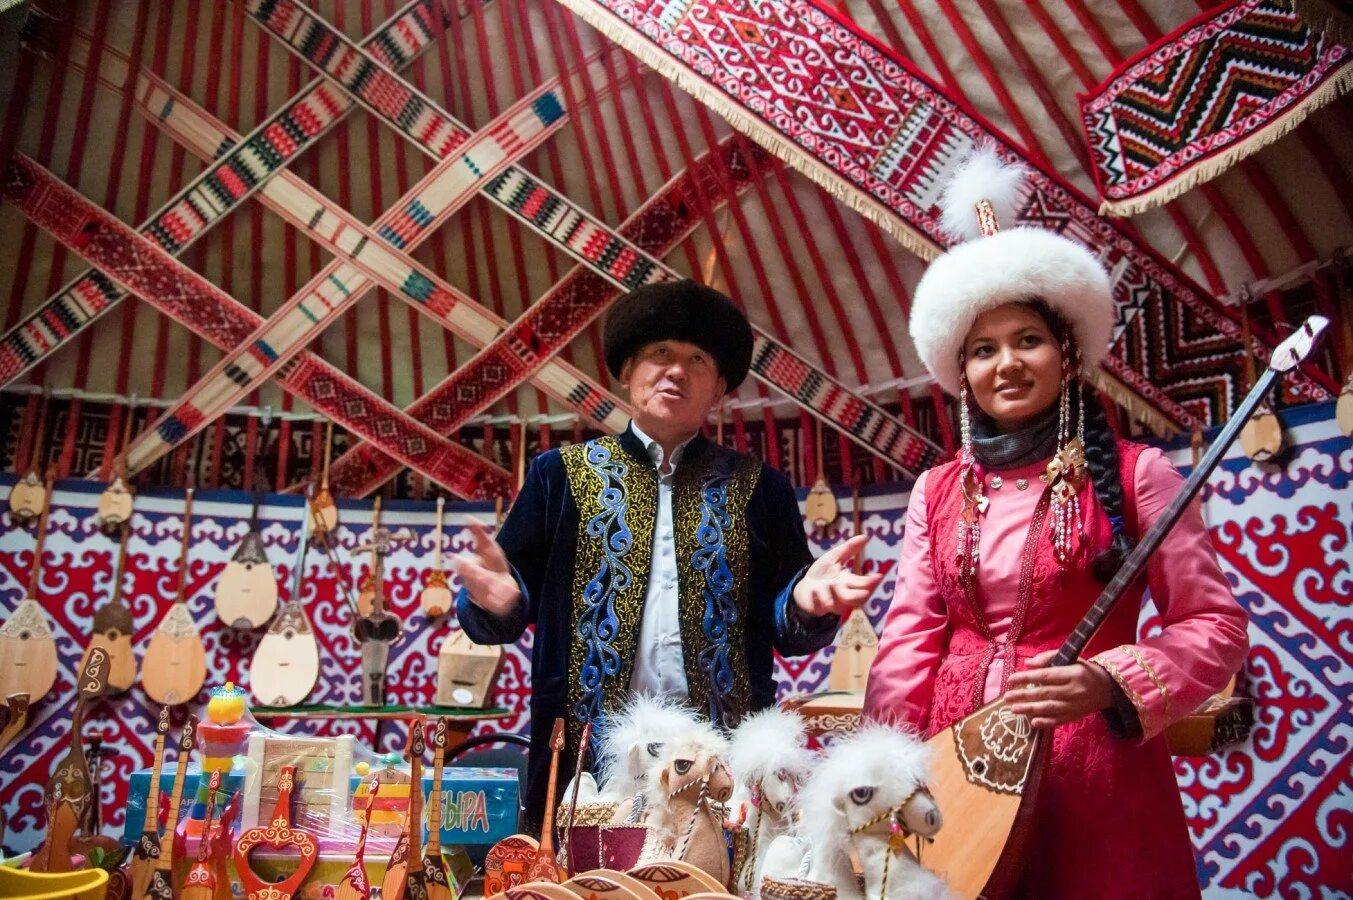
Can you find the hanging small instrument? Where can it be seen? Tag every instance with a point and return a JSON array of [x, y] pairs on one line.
[[376, 631], [856, 642], [285, 666], [175, 666], [988, 765], [436, 596], [115, 503], [114, 627], [366, 588], [326, 510], [820, 507], [1262, 436], [28, 498], [26, 643], [246, 595], [1343, 408]]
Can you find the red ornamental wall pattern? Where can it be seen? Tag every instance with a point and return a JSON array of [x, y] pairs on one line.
[[1270, 817]]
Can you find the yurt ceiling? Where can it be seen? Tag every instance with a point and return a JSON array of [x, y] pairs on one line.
[[808, 269]]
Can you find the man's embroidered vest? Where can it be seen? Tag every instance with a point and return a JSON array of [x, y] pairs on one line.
[[617, 498]]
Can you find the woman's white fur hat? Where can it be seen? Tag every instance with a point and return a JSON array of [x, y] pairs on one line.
[[980, 273]]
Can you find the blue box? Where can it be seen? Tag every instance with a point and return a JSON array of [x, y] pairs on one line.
[[479, 806]]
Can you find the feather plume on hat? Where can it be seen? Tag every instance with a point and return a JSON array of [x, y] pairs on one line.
[[993, 263]]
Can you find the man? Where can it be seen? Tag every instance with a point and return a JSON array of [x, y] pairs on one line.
[[656, 561]]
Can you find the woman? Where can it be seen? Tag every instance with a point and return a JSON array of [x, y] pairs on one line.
[[1008, 546]]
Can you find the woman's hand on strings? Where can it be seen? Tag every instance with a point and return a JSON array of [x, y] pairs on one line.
[[1056, 695], [831, 586], [486, 574]]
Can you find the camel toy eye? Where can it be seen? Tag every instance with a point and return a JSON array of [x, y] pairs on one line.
[[682, 766], [654, 749], [861, 795]]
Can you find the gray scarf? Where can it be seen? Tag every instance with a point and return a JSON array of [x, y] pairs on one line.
[[996, 451]]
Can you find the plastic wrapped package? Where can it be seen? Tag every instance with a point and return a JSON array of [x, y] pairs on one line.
[[329, 781]]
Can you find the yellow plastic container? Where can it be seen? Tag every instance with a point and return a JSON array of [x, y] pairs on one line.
[[89, 884]]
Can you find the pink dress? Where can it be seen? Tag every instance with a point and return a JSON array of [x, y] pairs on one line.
[[1109, 821]]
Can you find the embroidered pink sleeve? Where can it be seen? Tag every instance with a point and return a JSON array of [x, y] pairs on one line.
[[914, 631], [1203, 640]]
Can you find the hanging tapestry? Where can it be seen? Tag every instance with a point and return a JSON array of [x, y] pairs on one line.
[[1199, 100], [851, 114]]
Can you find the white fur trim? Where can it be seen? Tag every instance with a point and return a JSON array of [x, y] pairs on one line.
[[768, 740], [1016, 264], [980, 176], [642, 721]]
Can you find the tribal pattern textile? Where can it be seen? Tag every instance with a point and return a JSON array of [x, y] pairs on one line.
[[1199, 100], [568, 226], [853, 116], [708, 515], [660, 224], [360, 264], [244, 166], [617, 499], [381, 251], [1267, 817], [141, 266]]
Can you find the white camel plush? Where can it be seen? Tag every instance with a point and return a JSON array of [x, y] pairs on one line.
[[770, 759], [628, 745], [866, 796]]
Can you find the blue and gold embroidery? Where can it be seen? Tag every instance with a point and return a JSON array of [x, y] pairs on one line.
[[711, 497], [617, 499]]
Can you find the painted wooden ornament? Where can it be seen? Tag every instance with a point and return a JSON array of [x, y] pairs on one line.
[[434, 867], [355, 885], [29, 498], [278, 835], [322, 504], [115, 503]]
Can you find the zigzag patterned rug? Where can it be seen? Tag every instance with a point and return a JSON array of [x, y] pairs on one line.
[[1199, 100], [852, 115]]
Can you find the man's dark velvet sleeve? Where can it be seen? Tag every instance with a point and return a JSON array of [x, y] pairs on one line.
[[780, 562], [525, 539]]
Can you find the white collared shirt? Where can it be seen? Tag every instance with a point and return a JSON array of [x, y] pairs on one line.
[[659, 665]]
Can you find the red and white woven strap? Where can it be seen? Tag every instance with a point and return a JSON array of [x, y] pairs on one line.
[[237, 170], [366, 257], [142, 267]]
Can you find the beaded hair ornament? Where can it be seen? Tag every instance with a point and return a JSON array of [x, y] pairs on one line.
[[1065, 473]]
